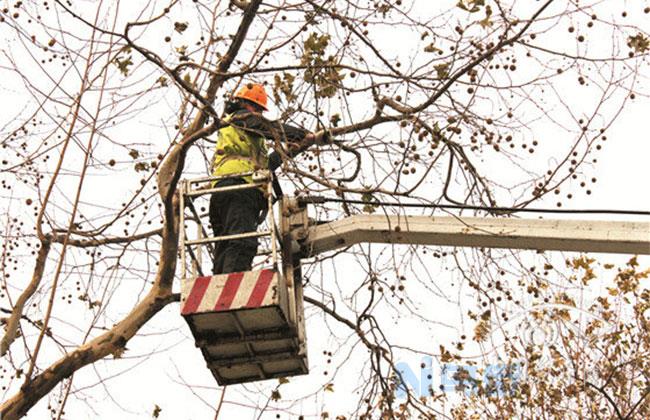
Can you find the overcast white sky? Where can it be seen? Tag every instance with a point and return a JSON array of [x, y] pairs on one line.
[[136, 383]]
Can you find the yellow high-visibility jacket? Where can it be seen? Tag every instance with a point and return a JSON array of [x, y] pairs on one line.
[[241, 145], [238, 151]]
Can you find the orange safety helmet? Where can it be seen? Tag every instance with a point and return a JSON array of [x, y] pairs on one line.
[[255, 93]]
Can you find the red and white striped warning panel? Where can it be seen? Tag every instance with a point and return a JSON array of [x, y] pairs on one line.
[[224, 292]]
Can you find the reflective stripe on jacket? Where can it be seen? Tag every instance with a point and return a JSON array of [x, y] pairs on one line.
[[238, 151]]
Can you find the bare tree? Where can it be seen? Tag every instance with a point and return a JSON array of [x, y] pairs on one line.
[[109, 91]]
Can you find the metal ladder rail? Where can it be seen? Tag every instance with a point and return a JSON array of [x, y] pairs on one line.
[[197, 216], [187, 194], [184, 247]]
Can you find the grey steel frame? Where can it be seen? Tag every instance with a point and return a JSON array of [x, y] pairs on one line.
[[192, 188]]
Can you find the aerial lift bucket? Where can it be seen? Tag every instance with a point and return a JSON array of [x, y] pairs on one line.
[[249, 326]]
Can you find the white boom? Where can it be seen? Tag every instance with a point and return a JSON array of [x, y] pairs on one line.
[[538, 234]]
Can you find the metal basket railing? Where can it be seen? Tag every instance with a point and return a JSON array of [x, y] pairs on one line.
[[191, 189]]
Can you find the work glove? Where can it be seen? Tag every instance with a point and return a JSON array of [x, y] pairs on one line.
[[275, 161], [323, 138]]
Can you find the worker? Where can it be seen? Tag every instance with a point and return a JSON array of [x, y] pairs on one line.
[[241, 148]]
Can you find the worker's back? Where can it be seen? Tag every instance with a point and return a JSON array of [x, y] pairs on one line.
[[238, 150]]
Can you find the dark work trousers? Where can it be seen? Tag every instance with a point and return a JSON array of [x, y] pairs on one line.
[[231, 213]]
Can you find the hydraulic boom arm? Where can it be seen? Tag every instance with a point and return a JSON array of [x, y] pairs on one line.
[[538, 234]]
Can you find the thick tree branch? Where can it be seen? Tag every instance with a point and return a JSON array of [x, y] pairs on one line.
[[226, 61], [17, 311], [108, 343]]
